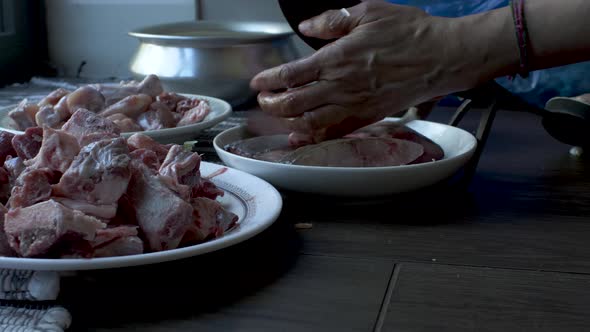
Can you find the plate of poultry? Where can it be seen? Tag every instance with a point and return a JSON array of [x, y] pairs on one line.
[[144, 107], [381, 159], [84, 197]]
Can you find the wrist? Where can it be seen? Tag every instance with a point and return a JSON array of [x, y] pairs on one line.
[[484, 47]]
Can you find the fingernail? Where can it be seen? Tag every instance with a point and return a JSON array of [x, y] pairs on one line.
[[304, 26]]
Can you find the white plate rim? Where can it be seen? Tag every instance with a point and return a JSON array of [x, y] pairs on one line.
[[229, 239], [208, 122]]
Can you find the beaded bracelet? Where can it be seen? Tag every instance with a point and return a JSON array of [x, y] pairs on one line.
[[517, 7]]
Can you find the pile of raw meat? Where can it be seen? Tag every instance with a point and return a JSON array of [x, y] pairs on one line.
[[132, 106], [84, 191], [378, 145]]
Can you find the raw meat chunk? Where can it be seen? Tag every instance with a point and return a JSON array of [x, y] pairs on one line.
[[15, 167], [211, 220], [432, 151], [195, 115], [125, 124], [124, 246], [159, 118], [87, 98], [147, 157], [6, 148], [5, 249], [4, 184], [89, 127], [150, 86], [52, 116], [54, 97], [170, 99], [23, 116], [27, 145], [32, 186], [105, 212], [180, 171], [99, 174], [162, 216], [34, 230], [141, 141], [268, 148], [131, 106], [58, 149]]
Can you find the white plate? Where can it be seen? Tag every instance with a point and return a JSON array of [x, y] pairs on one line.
[[458, 145], [255, 201], [220, 110]]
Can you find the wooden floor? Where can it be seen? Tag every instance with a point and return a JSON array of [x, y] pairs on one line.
[[510, 254]]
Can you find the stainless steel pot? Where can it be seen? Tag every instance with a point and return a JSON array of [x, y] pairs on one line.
[[210, 58]]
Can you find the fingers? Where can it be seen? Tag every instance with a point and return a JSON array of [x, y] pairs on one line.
[[289, 75], [295, 102], [332, 23], [326, 122]]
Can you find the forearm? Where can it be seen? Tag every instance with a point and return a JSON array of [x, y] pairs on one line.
[[557, 31]]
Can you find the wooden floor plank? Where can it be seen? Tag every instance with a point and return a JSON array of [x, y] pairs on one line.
[[455, 298]]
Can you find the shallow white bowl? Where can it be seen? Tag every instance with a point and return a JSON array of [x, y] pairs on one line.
[[458, 145], [220, 110]]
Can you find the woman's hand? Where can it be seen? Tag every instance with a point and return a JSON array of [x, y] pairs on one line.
[[386, 59]]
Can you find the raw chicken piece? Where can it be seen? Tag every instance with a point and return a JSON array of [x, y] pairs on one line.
[[125, 124], [357, 152], [27, 145], [35, 230], [432, 151], [58, 150], [180, 171], [31, 187], [160, 118], [54, 97], [23, 116], [52, 116], [86, 97], [147, 157], [211, 221], [6, 148], [5, 249], [89, 127], [150, 86], [141, 141], [170, 99], [105, 212], [15, 167], [131, 106], [99, 174], [162, 216]]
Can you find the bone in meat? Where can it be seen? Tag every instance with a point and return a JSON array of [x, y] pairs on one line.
[[162, 216], [99, 174]]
